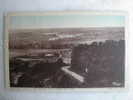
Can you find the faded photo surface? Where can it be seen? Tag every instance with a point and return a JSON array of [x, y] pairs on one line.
[[66, 50]]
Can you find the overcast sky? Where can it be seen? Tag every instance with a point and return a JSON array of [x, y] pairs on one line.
[[68, 20]]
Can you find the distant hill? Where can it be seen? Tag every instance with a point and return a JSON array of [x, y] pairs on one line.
[[49, 38]]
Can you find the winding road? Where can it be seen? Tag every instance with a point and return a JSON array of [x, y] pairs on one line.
[[73, 74]]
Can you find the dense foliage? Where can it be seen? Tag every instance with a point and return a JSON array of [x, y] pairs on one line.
[[100, 63]]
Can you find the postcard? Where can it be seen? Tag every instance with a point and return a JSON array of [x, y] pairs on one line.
[[65, 50]]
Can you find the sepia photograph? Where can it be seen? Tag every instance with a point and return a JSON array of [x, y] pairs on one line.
[[65, 50]]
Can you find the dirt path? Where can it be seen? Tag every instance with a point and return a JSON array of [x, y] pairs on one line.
[[73, 74]]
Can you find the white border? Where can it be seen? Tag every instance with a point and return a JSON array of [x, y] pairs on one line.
[[118, 89]]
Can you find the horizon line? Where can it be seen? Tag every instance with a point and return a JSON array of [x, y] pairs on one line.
[[65, 27]]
